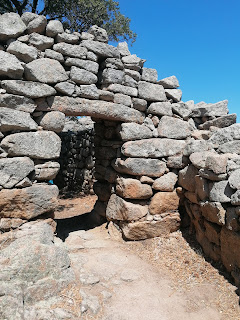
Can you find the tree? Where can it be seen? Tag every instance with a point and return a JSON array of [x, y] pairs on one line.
[[78, 15]]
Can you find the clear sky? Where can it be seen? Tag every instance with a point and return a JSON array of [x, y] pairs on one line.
[[198, 41]]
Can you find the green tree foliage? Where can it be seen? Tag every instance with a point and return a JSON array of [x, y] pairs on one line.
[[78, 15]]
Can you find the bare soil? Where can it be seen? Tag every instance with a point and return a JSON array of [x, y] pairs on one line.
[[157, 279]]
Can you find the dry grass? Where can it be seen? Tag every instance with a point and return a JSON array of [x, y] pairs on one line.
[[188, 269]]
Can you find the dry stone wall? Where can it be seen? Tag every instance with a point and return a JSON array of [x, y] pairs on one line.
[[153, 151]]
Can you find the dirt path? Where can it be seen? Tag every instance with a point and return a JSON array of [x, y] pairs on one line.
[[158, 279]]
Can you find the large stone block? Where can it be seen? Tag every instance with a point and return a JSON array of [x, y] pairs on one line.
[[41, 42], [152, 148], [118, 88], [164, 202], [166, 182], [11, 26], [13, 170], [15, 102], [16, 120], [10, 66], [198, 159], [37, 145], [151, 91], [45, 70], [101, 49], [112, 76], [141, 230], [140, 167], [121, 210], [134, 131], [208, 110], [234, 179], [173, 128], [97, 109], [28, 203], [213, 212], [174, 94], [169, 82], [53, 121], [23, 51], [221, 122], [133, 189], [230, 147], [29, 89], [186, 178], [88, 65], [71, 50], [220, 192], [47, 170], [160, 108], [82, 76]]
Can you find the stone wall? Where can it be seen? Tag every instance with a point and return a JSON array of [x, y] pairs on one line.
[[77, 160], [153, 151]]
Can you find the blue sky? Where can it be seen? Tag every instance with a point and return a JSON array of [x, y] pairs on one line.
[[197, 41]]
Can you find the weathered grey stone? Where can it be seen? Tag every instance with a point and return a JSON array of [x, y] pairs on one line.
[[141, 230], [53, 121], [82, 76], [13, 170], [210, 175], [182, 109], [118, 88], [198, 159], [152, 148], [26, 182], [66, 88], [37, 145], [173, 128], [28, 88], [41, 42], [3, 154], [96, 109], [122, 99], [160, 108], [46, 171], [133, 62], [220, 192], [10, 66], [68, 38], [113, 63], [87, 36], [130, 82], [106, 95], [230, 147], [216, 163], [133, 131], [213, 212], [122, 210], [235, 198], [28, 203], [166, 182], [28, 16], [88, 65], [123, 49], [151, 91], [232, 220], [37, 25], [16, 120], [169, 82], [11, 26], [139, 104], [140, 167], [22, 51], [227, 134], [19, 103], [99, 34], [133, 189], [71, 50], [217, 109], [149, 75], [163, 202], [174, 94], [186, 178], [51, 54], [112, 76], [221, 122], [54, 27], [45, 70], [197, 146], [101, 49], [177, 162], [133, 74], [234, 179], [89, 91]]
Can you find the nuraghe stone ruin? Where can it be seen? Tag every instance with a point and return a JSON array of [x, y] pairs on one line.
[[154, 153]]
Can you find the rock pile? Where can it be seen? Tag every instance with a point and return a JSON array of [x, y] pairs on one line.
[[153, 151]]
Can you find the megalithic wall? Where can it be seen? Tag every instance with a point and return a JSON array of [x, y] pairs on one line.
[[154, 152]]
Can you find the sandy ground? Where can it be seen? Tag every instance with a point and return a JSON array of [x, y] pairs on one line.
[[156, 279]]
